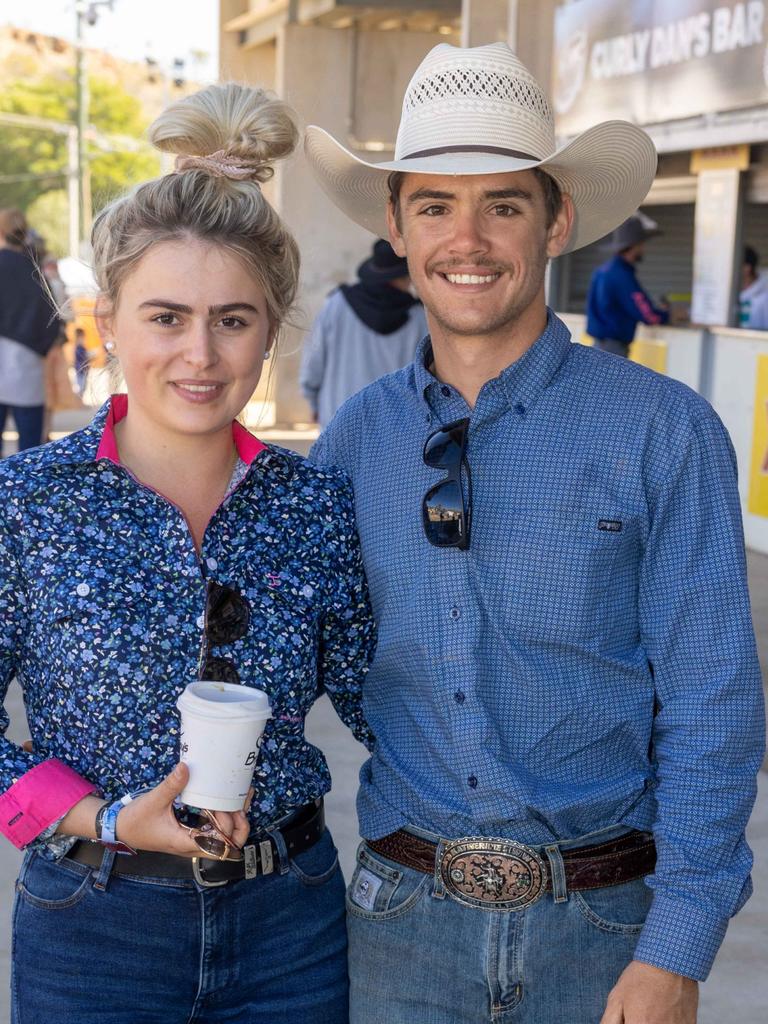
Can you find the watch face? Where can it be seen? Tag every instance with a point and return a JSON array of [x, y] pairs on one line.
[[100, 819]]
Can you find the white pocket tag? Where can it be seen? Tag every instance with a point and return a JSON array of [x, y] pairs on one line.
[[365, 890]]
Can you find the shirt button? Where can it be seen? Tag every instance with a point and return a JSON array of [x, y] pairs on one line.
[[455, 613], [472, 782], [459, 697], [520, 409], [446, 392], [201, 622], [212, 564], [83, 590]]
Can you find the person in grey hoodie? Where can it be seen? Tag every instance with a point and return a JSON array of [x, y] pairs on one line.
[[363, 331]]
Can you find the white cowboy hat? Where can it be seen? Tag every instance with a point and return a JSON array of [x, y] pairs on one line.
[[480, 111]]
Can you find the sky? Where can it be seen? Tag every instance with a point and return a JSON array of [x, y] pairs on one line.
[[134, 29]]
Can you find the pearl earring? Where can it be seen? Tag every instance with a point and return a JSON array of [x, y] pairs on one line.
[[267, 355], [109, 346]]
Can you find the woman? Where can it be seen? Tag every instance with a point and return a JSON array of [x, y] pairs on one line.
[[28, 329], [162, 544]]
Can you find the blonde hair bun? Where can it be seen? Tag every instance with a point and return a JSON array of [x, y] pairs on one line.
[[248, 124]]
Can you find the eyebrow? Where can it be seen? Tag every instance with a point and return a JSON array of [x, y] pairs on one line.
[[178, 307], [498, 193]]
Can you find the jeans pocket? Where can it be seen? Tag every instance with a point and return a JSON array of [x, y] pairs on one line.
[[318, 864], [621, 909], [50, 886], [381, 890]]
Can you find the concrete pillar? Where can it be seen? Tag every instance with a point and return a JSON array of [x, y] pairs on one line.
[[535, 28], [233, 59], [488, 21]]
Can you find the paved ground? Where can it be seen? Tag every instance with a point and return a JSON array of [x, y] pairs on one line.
[[737, 991]]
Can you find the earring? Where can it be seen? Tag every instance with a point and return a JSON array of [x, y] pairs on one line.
[[109, 346], [267, 355]]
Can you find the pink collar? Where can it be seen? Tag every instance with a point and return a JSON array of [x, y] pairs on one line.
[[248, 446]]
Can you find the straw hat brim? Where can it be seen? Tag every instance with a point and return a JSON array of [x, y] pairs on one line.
[[607, 171]]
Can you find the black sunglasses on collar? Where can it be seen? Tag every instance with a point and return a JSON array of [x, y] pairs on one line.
[[446, 515], [226, 620]]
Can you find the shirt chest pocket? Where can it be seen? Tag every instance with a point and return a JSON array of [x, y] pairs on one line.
[[84, 621], [557, 571]]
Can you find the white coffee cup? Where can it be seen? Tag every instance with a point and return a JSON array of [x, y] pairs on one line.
[[221, 728]]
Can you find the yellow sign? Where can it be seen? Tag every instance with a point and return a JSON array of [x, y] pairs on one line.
[[718, 158], [758, 476], [652, 354]]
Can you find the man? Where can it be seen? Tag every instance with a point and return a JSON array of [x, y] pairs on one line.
[[363, 331], [617, 302], [553, 543], [753, 297]]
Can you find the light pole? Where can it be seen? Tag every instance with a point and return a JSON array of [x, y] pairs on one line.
[[84, 12]]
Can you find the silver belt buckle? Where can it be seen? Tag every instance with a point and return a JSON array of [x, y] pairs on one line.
[[493, 874], [199, 876]]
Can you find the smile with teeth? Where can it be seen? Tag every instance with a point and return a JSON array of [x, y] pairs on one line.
[[198, 388], [471, 278]]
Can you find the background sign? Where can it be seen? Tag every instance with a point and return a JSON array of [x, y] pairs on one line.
[[714, 271], [654, 60], [758, 476]]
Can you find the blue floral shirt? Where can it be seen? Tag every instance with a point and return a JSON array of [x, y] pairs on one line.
[[102, 598]]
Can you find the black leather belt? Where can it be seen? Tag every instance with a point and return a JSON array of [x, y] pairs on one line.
[[260, 854]]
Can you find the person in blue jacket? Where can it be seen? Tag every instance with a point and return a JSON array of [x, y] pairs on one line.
[[617, 302]]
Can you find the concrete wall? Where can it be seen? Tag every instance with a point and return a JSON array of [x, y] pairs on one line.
[[535, 31], [487, 21], [234, 61]]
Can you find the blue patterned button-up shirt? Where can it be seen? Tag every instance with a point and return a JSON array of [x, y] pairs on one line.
[[590, 660], [102, 598]]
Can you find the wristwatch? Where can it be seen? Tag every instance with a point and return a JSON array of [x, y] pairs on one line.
[[99, 823], [106, 823]]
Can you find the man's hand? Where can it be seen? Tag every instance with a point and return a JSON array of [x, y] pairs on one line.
[[648, 995]]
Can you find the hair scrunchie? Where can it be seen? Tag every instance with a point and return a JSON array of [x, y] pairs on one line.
[[220, 164]]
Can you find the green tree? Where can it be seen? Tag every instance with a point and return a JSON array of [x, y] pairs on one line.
[[49, 214], [33, 161]]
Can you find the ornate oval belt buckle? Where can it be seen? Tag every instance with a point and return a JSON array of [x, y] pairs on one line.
[[493, 874]]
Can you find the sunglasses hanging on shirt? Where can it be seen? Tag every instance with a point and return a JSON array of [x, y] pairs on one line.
[[226, 620], [446, 510]]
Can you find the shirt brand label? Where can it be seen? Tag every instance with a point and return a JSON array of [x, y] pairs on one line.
[[611, 525], [365, 890]]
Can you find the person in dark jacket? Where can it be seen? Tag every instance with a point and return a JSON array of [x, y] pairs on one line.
[[28, 328], [617, 302]]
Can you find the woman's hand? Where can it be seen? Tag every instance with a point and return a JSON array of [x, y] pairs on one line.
[[148, 821]]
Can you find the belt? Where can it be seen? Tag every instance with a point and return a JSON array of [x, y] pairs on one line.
[[501, 874], [260, 854]]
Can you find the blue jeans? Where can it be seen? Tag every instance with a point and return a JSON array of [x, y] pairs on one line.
[[29, 423], [166, 951], [417, 956]]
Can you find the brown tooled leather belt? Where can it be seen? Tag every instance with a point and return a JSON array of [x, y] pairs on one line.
[[500, 874]]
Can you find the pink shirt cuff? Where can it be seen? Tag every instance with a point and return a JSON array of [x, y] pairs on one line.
[[41, 796]]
